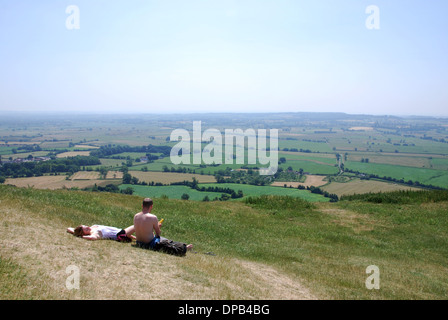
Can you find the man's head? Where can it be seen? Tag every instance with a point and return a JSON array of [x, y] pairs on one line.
[[147, 204]]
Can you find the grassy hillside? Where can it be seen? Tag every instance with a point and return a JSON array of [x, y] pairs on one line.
[[274, 248]]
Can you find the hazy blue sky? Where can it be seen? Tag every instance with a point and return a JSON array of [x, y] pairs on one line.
[[225, 55]]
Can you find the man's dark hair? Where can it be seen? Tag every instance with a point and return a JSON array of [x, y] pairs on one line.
[[147, 203]]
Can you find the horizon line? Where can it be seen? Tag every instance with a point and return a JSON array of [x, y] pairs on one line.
[[97, 113]]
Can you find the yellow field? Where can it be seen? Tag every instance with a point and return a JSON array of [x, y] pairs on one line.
[[361, 128], [54, 182], [73, 154], [84, 179], [85, 175], [86, 146], [311, 180], [114, 175], [16, 143], [170, 177], [363, 186], [24, 155]]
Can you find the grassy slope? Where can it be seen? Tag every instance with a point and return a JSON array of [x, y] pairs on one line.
[[273, 253]]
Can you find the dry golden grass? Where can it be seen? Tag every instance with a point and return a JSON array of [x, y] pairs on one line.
[[347, 218], [53, 182], [86, 146], [363, 186], [85, 175], [311, 180], [73, 154], [170, 177], [361, 128], [114, 175], [17, 143]]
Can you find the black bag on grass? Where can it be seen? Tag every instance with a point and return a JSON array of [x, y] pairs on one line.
[[171, 247]]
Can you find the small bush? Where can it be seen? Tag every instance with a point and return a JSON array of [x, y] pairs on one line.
[[185, 196]]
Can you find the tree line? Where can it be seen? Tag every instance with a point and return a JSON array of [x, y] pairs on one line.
[[38, 168], [195, 185], [106, 151], [368, 176]]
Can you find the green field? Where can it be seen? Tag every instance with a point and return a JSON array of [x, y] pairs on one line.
[[305, 145], [172, 192], [423, 175], [175, 192], [250, 190], [310, 166], [439, 164]]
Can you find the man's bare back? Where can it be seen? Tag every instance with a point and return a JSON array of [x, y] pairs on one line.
[[145, 224]]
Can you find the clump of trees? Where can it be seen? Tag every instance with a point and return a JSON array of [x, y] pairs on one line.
[[110, 188], [227, 193], [38, 168], [333, 197], [246, 176]]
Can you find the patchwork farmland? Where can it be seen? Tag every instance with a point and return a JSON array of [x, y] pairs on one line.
[[341, 155]]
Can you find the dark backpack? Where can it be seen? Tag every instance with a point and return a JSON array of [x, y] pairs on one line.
[[171, 247]]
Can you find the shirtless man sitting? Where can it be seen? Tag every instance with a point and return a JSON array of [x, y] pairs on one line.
[[145, 224]]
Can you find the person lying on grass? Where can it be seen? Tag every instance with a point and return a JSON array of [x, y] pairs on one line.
[[146, 224], [98, 232]]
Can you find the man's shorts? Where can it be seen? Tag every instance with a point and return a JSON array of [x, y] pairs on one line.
[[150, 245]]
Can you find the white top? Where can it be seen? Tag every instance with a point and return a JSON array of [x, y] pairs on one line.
[[107, 232]]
